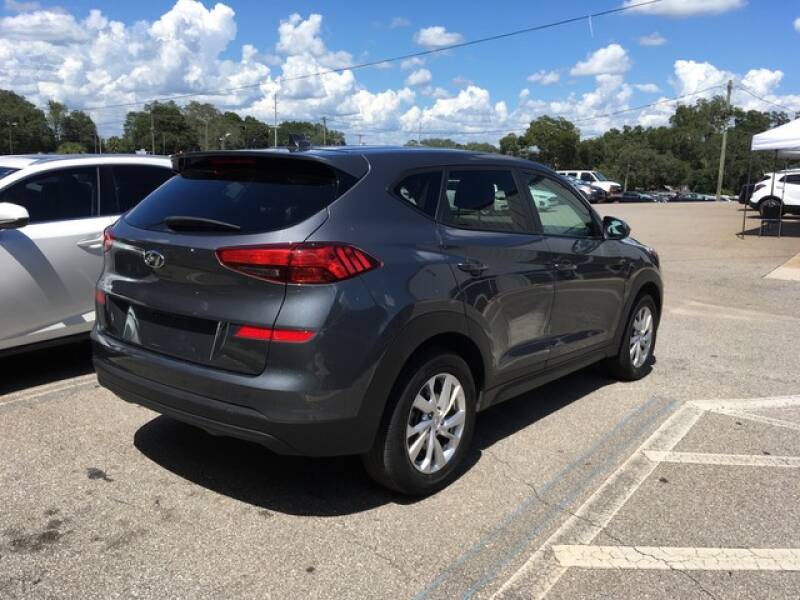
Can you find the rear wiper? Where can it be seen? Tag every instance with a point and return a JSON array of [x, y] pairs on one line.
[[198, 224]]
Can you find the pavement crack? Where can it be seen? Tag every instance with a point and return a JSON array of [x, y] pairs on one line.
[[387, 559]]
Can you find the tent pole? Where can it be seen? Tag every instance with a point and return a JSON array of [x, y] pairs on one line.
[[746, 197]]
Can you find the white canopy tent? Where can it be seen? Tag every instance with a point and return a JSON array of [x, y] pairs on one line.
[[785, 139]]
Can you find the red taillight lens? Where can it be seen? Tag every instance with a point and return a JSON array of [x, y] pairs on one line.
[[299, 263], [100, 297], [251, 332], [108, 240]]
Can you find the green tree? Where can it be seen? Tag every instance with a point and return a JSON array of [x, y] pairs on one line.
[[71, 148], [78, 127], [557, 140], [23, 127], [56, 112], [510, 144], [162, 127]]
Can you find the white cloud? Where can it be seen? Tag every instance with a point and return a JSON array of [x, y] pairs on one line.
[[545, 77], [797, 24], [462, 82], [435, 92], [437, 37], [412, 63], [50, 26], [399, 22], [686, 8], [419, 77], [612, 59], [20, 7], [653, 39], [648, 88]]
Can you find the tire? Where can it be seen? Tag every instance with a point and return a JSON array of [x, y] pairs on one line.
[[389, 460], [770, 201], [626, 365]]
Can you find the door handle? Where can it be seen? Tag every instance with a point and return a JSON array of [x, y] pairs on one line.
[[565, 266], [472, 267], [94, 243], [618, 266]]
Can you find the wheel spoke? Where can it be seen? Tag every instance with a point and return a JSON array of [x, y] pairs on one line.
[[414, 449], [426, 463], [438, 454], [412, 430], [454, 421], [444, 395], [423, 405], [457, 391]]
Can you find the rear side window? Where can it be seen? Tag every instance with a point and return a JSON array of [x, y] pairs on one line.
[[6, 171], [252, 195], [56, 195], [587, 177], [131, 183], [792, 179], [421, 190], [485, 200]]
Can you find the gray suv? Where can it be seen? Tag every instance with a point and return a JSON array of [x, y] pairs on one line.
[[365, 300]]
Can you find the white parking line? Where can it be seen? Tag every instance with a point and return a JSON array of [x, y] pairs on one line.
[[543, 569], [680, 559], [730, 460], [741, 414]]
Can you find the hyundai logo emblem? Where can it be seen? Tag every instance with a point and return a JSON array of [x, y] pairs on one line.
[[153, 259]]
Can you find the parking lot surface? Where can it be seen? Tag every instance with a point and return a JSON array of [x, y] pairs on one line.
[[683, 484]]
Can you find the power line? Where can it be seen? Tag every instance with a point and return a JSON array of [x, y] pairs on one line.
[[372, 63], [754, 95]]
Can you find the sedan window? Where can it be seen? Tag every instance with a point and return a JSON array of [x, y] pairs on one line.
[[56, 195]]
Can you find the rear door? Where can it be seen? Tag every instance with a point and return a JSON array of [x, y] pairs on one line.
[[590, 279], [502, 267], [50, 266], [791, 191]]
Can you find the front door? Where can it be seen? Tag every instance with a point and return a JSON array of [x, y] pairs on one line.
[[500, 263], [590, 278]]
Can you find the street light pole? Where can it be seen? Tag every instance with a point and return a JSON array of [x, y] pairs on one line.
[[10, 139], [276, 118], [721, 170]]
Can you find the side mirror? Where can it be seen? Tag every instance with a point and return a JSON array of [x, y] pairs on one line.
[[615, 229], [13, 216]]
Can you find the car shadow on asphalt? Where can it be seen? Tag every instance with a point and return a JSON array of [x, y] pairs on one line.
[[39, 367], [789, 228], [328, 486]]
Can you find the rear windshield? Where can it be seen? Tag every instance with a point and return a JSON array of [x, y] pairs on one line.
[[6, 171], [250, 195]]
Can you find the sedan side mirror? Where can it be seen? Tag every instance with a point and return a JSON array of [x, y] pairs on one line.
[[615, 229], [13, 216]]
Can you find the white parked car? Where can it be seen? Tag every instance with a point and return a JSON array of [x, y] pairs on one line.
[[595, 178], [53, 210], [785, 189]]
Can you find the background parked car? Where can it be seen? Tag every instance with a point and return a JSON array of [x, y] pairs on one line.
[[631, 196], [593, 193], [785, 189], [595, 178], [53, 210]]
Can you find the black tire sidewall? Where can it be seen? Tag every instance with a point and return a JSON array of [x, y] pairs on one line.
[[624, 358], [404, 476]]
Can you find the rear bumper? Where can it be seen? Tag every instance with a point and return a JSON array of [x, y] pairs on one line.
[[126, 372]]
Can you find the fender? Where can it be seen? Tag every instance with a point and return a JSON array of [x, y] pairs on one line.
[[414, 334], [638, 281]]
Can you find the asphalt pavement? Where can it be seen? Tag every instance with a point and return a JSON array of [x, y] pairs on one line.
[[683, 484]]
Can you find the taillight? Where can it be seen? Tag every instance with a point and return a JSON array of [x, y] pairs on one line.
[[100, 297], [251, 332], [108, 240], [299, 263]]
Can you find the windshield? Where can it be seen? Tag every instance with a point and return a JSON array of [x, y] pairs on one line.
[[7, 171], [600, 176]]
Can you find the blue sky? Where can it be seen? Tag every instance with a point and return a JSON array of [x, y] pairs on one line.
[[133, 51]]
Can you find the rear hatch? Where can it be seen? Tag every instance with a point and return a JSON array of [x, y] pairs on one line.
[[165, 287]]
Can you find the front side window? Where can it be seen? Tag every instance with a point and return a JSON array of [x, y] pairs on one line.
[[131, 184], [587, 177], [565, 215], [486, 200], [421, 190], [56, 195], [793, 179]]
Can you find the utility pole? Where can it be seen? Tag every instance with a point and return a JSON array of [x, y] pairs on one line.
[[721, 171], [276, 118], [10, 139], [163, 143], [627, 172], [324, 131], [360, 135], [152, 133]]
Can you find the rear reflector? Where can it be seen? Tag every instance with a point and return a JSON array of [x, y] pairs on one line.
[[108, 240], [299, 263], [100, 297], [251, 332]]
